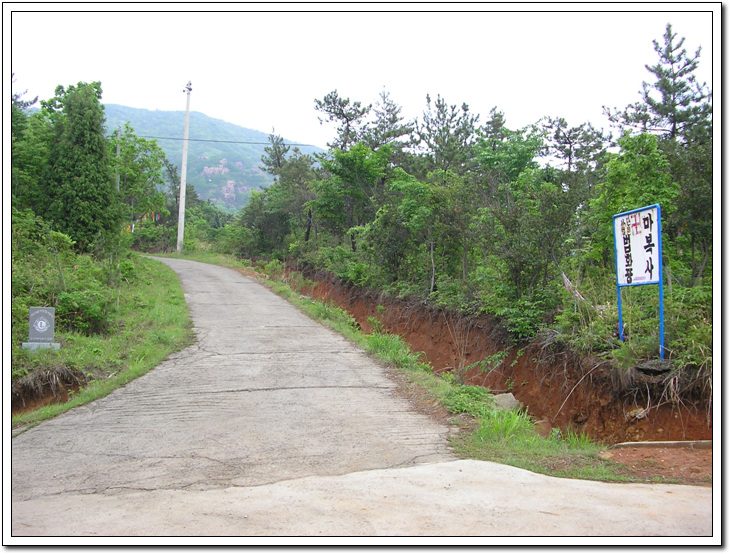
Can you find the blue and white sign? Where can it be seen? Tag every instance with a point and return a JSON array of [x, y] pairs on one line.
[[638, 244], [638, 247]]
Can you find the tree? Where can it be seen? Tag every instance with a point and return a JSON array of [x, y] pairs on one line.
[[527, 213], [82, 200], [267, 220], [349, 117], [636, 177], [494, 130], [275, 154], [357, 178], [691, 167], [502, 161], [677, 109], [676, 105], [30, 141], [139, 168], [389, 128], [447, 135], [19, 118], [295, 181]]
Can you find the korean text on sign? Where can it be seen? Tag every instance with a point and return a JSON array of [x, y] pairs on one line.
[[637, 254]]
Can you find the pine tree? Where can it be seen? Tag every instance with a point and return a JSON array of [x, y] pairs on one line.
[[275, 155], [676, 106]]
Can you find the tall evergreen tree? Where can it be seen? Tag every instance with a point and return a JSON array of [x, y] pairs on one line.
[[83, 202], [447, 135], [275, 154], [26, 151], [676, 106], [677, 109], [348, 115], [388, 127]]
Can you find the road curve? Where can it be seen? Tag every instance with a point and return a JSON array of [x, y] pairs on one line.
[[273, 425]]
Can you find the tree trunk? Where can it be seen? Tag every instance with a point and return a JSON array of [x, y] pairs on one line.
[[465, 263], [433, 269], [669, 276], [701, 270], [309, 226]]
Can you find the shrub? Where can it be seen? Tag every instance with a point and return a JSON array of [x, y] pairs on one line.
[[153, 238], [86, 311]]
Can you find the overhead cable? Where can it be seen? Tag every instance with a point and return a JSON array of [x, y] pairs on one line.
[[225, 141]]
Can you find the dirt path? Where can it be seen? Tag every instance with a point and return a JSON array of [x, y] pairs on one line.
[[274, 425]]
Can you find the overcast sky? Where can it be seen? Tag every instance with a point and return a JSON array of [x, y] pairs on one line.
[[264, 70]]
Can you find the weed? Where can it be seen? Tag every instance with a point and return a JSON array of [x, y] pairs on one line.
[[468, 399], [102, 363], [507, 437]]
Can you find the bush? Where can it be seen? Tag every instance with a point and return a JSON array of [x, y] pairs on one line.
[[153, 238], [357, 273], [274, 269], [468, 399], [85, 311]]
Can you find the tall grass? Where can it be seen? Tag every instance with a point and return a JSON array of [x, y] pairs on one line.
[[151, 320], [508, 437]]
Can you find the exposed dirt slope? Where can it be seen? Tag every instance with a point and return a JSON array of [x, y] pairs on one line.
[[559, 390]]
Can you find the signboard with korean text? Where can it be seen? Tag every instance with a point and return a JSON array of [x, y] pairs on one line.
[[638, 248], [638, 242]]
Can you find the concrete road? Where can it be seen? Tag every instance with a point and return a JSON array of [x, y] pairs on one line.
[[273, 425]]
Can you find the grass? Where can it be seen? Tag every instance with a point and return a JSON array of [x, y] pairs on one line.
[[156, 323], [152, 321], [507, 437], [209, 257]]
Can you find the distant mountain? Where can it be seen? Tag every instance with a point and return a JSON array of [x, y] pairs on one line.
[[223, 159]]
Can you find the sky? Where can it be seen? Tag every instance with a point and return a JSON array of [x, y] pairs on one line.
[[264, 70]]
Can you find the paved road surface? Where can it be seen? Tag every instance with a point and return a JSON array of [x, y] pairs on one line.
[[272, 424]]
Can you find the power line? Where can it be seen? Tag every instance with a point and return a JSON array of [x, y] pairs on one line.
[[225, 141]]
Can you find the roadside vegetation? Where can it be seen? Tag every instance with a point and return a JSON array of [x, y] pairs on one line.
[[449, 210], [515, 224], [504, 436], [117, 316]]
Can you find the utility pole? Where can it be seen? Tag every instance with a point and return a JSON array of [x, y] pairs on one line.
[[183, 172]]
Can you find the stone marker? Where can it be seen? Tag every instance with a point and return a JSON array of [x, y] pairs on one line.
[[40, 329]]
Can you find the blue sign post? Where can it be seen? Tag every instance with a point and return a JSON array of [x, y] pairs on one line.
[[638, 249]]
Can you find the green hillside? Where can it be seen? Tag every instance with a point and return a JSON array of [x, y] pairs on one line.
[[223, 159]]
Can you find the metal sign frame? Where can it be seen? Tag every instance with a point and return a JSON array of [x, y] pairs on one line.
[[641, 249]]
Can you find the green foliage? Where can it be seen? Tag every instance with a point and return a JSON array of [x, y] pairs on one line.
[[154, 238], [676, 106], [347, 115], [81, 200], [473, 220], [393, 350], [85, 311], [469, 399], [506, 426], [139, 171], [46, 271], [274, 269], [150, 320], [523, 317], [447, 135], [491, 363]]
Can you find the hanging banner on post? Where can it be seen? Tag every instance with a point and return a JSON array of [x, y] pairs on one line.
[[638, 247]]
